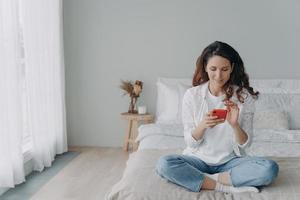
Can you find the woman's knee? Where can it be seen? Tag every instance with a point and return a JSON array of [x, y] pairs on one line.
[[269, 171], [164, 163]]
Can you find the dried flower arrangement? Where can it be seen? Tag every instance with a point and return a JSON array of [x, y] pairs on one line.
[[134, 91]]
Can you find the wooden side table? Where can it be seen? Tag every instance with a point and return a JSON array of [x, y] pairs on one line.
[[132, 129]]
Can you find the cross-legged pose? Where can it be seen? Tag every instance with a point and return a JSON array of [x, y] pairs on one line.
[[217, 114]]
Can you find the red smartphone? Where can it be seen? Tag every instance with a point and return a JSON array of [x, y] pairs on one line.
[[221, 113]]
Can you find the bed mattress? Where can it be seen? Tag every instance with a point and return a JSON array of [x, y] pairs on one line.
[[140, 182]]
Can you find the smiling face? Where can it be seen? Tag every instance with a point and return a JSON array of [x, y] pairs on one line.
[[218, 70]]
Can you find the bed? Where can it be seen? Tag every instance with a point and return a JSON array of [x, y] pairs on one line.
[[276, 135]]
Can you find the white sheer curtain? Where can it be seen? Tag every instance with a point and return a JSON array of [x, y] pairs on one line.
[[11, 124], [42, 71], [42, 28]]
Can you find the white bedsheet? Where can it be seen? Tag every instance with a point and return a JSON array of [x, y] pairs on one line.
[[266, 142], [160, 129], [161, 136]]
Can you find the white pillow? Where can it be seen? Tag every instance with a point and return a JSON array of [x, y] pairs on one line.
[[169, 99], [167, 102], [182, 89], [281, 102], [271, 119]]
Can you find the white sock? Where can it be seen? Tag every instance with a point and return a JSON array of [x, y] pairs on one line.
[[213, 176], [230, 189]]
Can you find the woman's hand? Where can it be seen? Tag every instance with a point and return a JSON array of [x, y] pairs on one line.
[[210, 121], [232, 113]]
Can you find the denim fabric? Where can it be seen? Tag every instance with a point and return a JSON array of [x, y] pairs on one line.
[[187, 171]]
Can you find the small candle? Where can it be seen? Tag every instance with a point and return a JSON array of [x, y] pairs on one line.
[[142, 109]]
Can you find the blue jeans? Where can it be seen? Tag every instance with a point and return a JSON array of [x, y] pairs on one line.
[[187, 171]]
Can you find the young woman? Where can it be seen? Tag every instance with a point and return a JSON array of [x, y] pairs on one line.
[[214, 158]]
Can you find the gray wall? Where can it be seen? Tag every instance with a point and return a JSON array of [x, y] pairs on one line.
[[109, 40]]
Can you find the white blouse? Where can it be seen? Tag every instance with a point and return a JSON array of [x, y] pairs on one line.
[[218, 144]]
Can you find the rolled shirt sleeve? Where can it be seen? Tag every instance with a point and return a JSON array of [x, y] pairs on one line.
[[188, 120]]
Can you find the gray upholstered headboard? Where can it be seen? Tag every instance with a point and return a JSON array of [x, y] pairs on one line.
[[291, 86]]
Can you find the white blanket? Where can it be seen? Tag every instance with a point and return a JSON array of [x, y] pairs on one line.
[[265, 142], [259, 135]]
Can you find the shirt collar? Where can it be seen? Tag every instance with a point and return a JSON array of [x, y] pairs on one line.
[[204, 90]]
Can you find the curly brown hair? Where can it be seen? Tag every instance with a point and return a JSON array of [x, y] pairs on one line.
[[238, 77]]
